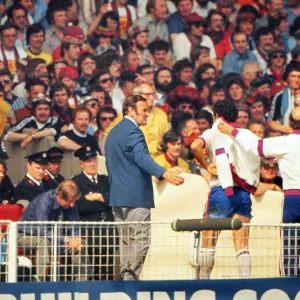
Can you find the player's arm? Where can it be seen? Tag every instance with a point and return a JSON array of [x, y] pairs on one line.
[[264, 187]]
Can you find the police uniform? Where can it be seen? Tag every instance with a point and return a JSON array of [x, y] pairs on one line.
[[50, 181], [29, 188], [96, 211]]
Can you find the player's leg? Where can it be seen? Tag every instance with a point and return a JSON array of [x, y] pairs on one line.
[[207, 253], [242, 206], [291, 214], [218, 206], [240, 240]]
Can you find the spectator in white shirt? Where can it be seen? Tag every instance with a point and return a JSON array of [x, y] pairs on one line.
[[194, 36]]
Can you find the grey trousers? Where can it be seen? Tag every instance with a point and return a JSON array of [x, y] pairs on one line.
[[41, 247], [134, 239]]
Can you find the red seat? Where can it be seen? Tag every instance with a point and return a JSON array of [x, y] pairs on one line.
[[11, 212]]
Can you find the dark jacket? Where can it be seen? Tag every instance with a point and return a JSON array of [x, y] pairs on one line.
[[27, 189], [93, 210]]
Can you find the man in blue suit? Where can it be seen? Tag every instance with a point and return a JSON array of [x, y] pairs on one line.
[[130, 168]]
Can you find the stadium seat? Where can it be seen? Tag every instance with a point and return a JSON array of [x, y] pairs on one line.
[[11, 212]]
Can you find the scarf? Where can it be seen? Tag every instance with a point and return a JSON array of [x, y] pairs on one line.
[[278, 76], [287, 105], [128, 13], [11, 68], [63, 114], [216, 36], [170, 161], [264, 56]]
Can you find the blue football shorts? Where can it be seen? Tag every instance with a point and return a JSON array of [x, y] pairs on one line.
[[220, 206]]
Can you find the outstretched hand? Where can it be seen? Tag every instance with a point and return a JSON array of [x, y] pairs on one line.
[[173, 177], [225, 128]]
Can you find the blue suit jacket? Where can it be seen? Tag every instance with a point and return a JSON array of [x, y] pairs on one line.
[[130, 167]]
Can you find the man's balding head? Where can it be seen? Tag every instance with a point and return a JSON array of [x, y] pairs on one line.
[[296, 113], [295, 118]]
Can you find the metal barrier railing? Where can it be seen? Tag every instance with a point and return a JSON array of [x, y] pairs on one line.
[[72, 251]]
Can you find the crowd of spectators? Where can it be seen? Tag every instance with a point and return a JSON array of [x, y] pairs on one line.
[[66, 67]]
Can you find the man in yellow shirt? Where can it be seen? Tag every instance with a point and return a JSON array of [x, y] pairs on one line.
[[157, 123], [35, 37], [171, 147]]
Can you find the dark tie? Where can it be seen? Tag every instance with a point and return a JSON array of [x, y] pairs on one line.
[[93, 180]]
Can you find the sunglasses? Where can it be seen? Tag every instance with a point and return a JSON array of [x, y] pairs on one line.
[[93, 105], [278, 56], [106, 79], [198, 25], [5, 81], [185, 106], [267, 167], [107, 119]]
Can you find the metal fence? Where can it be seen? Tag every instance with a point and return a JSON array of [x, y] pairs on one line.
[[61, 251]]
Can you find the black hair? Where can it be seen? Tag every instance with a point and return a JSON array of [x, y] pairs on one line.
[[83, 57], [6, 72], [2, 88], [33, 29], [179, 120], [182, 64], [226, 109], [197, 51], [34, 81], [234, 80], [64, 47], [95, 88], [204, 114], [105, 109], [112, 15], [263, 31], [141, 68], [16, 6], [295, 52], [58, 86], [158, 45], [176, 2], [170, 136], [214, 89], [94, 80], [203, 68], [216, 12], [52, 9]]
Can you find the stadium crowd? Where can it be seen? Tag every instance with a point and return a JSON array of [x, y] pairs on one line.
[[66, 67]]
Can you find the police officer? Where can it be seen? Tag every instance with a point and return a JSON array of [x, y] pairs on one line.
[[52, 177], [92, 207], [31, 185]]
